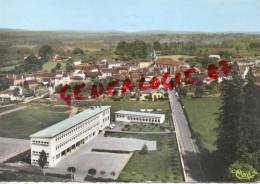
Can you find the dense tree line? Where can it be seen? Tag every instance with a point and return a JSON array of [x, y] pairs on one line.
[[136, 49], [33, 63], [239, 129]]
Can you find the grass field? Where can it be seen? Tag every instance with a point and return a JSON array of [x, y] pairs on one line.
[[51, 64], [162, 165], [202, 115], [27, 177], [142, 127], [21, 124]]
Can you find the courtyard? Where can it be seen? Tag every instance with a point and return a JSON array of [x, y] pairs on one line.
[[107, 155]]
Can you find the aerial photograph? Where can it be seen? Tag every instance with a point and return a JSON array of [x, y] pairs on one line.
[[123, 91]]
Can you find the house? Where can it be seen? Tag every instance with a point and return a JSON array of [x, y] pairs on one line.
[[214, 56], [77, 63], [61, 79], [106, 73], [169, 65], [157, 94], [61, 58], [144, 64], [32, 83], [78, 75], [8, 95], [114, 64]]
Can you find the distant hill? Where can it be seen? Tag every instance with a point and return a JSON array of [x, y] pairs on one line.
[[112, 38]]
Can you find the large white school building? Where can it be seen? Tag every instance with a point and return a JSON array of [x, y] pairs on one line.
[[64, 137], [139, 117]]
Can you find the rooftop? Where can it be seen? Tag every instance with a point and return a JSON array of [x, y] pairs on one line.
[[169, 61], [151, 114], [61, 126]]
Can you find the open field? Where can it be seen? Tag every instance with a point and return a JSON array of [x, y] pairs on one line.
[[202, 113], [21, 124], [162, 165], [51, 64]]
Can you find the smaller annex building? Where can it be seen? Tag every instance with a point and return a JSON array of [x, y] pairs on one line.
[[139, 117], [64, 137]]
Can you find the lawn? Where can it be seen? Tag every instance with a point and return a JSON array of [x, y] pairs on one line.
[[202, 115], [133, 105], [21, 124], [162, 165], [51, 64], [27, 177], [142, 127]]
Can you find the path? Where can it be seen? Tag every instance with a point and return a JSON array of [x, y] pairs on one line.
[[191, 163]]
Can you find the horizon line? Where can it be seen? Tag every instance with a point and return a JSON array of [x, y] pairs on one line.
[[121, 31]]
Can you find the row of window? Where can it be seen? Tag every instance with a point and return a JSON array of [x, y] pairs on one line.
[[40, 142], [105, 112], [38, 153], [86, 138], [106, 119], [74, 137], [137, 118], [154, 120], [78, 127]]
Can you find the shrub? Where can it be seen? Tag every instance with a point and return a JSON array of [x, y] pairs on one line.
[[113, 173], [92, 171], [144, 149], [102, 172]]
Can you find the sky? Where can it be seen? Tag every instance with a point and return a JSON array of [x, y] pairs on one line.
[[132, 15]]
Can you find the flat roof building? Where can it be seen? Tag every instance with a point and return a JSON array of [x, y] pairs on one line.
[[139, 117], [65, 136]]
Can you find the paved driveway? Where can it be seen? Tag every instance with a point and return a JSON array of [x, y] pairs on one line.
[[84, 159], [10, 147], [191, 161]]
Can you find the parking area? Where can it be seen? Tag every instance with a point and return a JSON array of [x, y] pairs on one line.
[[10, 147], [107, 164]]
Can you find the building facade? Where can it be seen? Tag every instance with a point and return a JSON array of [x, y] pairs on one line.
[[64, 137], [139, 117]]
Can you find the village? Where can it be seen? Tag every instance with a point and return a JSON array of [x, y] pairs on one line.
[[47, 84]]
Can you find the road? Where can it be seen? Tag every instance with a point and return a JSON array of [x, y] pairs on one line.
[[192, 168]]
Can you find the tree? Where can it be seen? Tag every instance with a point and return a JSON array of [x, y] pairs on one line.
[[78, 51], [45, 53], [71, 170], [42, 160], [199, 90], [92, 171], [157, 46], [121, 48], [144, 150], [16, 92], [26, 85], [5, 83], [249, 121], [229, 120], [58, 66], [69, 67]]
